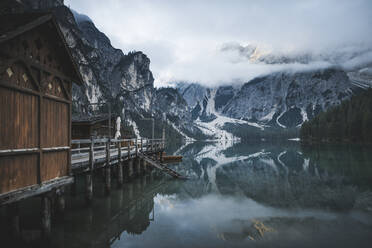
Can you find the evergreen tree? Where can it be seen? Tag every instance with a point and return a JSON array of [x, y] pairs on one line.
[[350, 121]]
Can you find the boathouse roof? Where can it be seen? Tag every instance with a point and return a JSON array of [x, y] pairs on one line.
[[13, 25]]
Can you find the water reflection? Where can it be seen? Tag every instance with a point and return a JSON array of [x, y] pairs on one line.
[[282, 175], [126, 212], [238, 195]]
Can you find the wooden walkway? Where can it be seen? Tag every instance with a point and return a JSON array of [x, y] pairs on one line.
[[96, 151], [101, 155], [126, 156]]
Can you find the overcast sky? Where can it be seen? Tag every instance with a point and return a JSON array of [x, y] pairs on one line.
[[187, 39]]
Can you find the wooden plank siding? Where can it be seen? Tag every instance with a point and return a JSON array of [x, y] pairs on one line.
[[18, 172], [55, 127], [19, 120], [36, 71], [55, 164]]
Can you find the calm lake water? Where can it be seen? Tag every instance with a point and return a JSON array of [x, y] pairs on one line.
[[237, 195]]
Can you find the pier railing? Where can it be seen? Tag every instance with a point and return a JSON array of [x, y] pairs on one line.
[[84, 152]]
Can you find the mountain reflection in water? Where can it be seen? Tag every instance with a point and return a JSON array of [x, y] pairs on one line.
[[238, 195], [264, 195]]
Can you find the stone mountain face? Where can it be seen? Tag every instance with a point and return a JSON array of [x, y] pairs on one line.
[[280, 100], [287, 100], [124, 80]]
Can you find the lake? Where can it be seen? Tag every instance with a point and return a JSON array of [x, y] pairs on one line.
[[263, 194]]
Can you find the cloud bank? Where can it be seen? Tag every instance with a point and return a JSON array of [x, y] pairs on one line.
[[215, 42]]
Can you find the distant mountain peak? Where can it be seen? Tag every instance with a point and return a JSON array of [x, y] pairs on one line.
[[80, 17]]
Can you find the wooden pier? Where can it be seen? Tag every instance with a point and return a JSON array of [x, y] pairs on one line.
[[37, 154], [123, 159]]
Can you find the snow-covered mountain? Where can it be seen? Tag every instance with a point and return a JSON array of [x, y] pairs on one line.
[[280, 100]]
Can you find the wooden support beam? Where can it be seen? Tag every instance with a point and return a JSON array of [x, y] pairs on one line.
[[14, 219], [108, 170], [136, 147], [130, 191], [120, 166], [128, 150], [89, 188], [61, 204], [46, 223], [89, 176], [143, 166], [130, 168], [73, 189], [138, 166], [144, 182]]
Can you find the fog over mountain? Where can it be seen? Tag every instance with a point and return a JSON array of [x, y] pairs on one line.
[[230, 41]]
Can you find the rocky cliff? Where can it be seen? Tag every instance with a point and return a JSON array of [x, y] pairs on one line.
[[110, 76], [281, 100]]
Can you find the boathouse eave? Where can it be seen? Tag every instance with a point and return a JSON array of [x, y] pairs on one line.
[[34, 190], [32, 21]]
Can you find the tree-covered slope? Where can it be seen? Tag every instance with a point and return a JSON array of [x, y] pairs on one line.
[[350, 121]]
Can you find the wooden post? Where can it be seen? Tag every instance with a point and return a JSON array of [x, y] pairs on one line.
[[136, 147], [128, 151], [89, 175], [108, 169], [89, 188], [130, 168], [120, 166], [60, 200], [143, 165], [73, 189], [144, 182], [46, 224], [138, 166], [130, 191], [151, 177], [14, 223]]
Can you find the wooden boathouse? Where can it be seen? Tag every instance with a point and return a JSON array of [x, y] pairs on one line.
[[37, 71], [84, 127], [36, 75]]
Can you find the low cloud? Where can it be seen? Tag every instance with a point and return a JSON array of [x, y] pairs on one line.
[[234, 41]]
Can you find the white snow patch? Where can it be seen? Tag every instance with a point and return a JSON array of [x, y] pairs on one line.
[[269, 116], [135, 128], [304, 117], [210, 108], [215, 128], [277, 120], [187, 138]]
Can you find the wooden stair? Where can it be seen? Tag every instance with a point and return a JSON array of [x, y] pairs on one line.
[[161, 167]]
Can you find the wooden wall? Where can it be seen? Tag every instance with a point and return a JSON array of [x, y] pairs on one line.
[[19, 120], [35, 110], [17, 172]]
